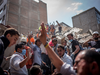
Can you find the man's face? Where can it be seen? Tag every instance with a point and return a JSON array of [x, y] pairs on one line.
[[20, 49], [60, 52], [65, 43], [38, 43], [81, 66], [69, 37], [12, 39], [54, 42], [95, 36]]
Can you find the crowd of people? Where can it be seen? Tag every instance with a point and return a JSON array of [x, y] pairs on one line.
[[50, 30], [48, 57]]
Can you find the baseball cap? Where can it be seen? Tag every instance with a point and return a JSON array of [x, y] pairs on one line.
[[95, 32]]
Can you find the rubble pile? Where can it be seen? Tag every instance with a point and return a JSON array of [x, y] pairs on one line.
[[77, 32]]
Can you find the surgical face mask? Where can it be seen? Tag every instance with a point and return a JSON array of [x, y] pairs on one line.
[[23, 52], [70, 40]]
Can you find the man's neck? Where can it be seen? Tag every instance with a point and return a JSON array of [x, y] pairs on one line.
[[38, 46], [62, 56], [55, 45]]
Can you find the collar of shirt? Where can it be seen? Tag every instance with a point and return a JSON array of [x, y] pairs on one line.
[[64, 55], [38, 48], [5, 41], [19, 54]]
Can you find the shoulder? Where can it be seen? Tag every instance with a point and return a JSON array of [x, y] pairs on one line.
[[98, 40], [67, 56], [15, 57], [75, 42], [66, 69], [1, 45], [36, 48]]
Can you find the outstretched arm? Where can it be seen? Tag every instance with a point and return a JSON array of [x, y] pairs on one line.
[[58, 23], [57, 62]]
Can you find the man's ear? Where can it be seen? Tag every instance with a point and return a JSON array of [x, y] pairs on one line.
[[94, 68], [18, 50], [8, 35]]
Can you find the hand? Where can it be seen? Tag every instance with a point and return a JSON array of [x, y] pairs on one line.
[[91, 40], [43, 34], [8, 58], [99, 36], [7, 73], [72, 56], [44, 63], [29, 53]]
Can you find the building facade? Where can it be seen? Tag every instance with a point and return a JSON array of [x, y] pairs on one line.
[[3, 10], [24, 15], [89, 19]]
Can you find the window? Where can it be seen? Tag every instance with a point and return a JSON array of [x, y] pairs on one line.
[[1, 11], [3, 18], [4, 7], [0, 20], [98, 17]]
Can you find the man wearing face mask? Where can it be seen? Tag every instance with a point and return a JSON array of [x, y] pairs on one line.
[[93, 43], [17, 61], [74, 45]]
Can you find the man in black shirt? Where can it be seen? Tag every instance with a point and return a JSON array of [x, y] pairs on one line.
[[59, 28], [93, 43], [9, 38], [74, 45]]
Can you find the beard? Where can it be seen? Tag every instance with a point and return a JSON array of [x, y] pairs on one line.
[[96, 38]]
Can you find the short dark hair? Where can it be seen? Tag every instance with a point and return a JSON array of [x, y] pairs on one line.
[[37, 41], [53, 36], [35, 70], [54, 39], [61, 46], [18, 46], [70, 34], [91, 55], [11, 31]]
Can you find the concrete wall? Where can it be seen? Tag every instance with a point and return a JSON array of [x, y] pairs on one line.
[[86, 20], [26, 15], [43, 12]]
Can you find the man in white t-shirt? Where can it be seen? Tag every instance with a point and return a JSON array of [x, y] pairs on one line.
[[17, 61]]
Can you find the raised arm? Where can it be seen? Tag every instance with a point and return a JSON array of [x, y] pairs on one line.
[[57, 62], [58, 23], [86, 43]]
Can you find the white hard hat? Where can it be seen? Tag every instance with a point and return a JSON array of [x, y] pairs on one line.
[[95, 32], [23, 39]]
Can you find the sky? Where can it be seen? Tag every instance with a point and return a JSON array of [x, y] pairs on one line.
[[64, 10]]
